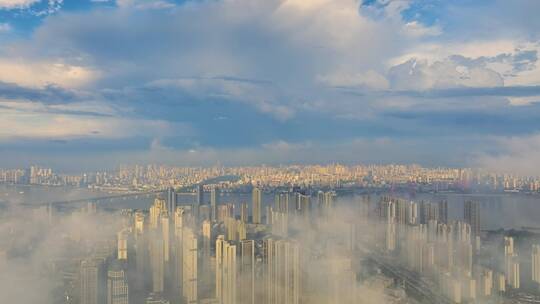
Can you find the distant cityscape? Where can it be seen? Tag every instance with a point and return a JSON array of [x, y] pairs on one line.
[[159, 177], [323, 238]]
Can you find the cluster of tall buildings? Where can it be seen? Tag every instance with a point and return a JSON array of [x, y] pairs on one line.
[[302, 247], [422, 239], [210, 253]]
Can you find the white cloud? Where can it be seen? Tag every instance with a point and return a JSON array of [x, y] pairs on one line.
[[37, 74], [420, 75], [11, 4], [502, 56], [24, 119], [416, 29], [524, 101], [144, 4], [370, 80], [519, 154], [249, 92]]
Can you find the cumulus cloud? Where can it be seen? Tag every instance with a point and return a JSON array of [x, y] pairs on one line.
[[290, 70], [37, 74], [11, 4], [24, 119], [514, 154]]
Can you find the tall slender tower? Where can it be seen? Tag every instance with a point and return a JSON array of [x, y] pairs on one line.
[[157, 264], [122, 253], [247, 272], [166, 236], [443, 211], [244, 212], [171, 200], [199, 199], [535, 263], [190, 266], [472, 216], [256, 199], [214, 202], [178, 252], [226, 272]]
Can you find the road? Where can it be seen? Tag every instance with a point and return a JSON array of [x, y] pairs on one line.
[[415, 285]]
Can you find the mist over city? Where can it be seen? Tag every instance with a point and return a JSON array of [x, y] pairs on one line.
[[269, 151]]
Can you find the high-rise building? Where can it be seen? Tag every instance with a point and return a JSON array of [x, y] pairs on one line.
[[156, 210], [443, 211], [166, 236], [122, 250], [190, 266], [229, 274], [472, 216], [281, 202], [220, 240], [226, 272], [256, 199], [281, 259], [117, 285], [179, 222], [157, 264], [511, 263], [214, 202], [303, 204], [247, 272], [199, 195], [171, 200], [244, 212], [535, 263], [90, 273]]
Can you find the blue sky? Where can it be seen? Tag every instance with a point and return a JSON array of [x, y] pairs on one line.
[[92, 84]]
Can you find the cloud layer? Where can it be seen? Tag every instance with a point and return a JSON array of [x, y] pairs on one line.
[[242, 75]]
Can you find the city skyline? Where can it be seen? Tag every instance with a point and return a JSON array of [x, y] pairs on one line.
[[269, 151], [281, 81]]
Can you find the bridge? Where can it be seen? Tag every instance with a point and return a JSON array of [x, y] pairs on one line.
[[97, 199]]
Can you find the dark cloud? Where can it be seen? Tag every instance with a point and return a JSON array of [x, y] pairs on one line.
[[50, 94]]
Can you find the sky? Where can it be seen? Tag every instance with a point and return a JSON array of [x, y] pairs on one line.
[[90, 84]]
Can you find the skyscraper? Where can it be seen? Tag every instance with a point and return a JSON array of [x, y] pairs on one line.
[[281, 203], [89, 281], [122, 253], [247, 272], [226, 271], [244, 213], [256, 199], [171, 200], [117, 286], [511, 263], [282, 271], [166, 236], [199, 195], [157, 264], [214, 202], [535, 263], [178, 252], [443, 211], [472, 216], [190, 266]]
